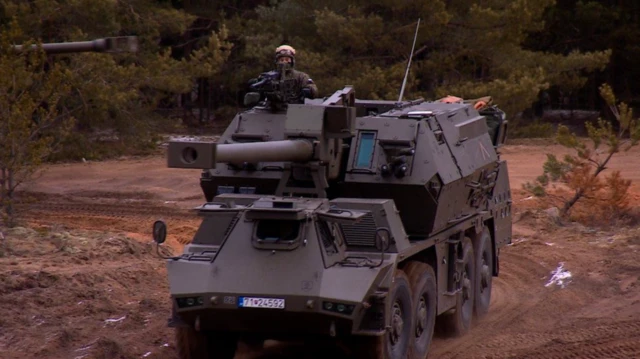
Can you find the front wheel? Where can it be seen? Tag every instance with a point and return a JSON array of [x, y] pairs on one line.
[[192, 344], [395, 343]]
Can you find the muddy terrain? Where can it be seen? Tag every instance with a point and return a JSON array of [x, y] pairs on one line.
[[80, 278]]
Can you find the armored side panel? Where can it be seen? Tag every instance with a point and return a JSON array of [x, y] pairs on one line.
[[501, 207], [435, 160]]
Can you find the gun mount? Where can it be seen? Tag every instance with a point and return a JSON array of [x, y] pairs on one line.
[[307, 152], [107, 44], [342, 218]]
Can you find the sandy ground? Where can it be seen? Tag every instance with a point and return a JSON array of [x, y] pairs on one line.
[[81, 279]]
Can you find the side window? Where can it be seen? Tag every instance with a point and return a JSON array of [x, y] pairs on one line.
[[366, 148], [277, 234], [278, 230]]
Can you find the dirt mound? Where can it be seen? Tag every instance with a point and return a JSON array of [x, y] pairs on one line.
[[81, 294]]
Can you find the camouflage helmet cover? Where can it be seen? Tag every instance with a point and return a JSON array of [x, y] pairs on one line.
[[286, 50]]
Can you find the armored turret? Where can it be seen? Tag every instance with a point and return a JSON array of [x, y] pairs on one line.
[[294, 152], [416, 152]]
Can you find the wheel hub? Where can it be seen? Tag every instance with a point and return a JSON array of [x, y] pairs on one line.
[[466, 286], [396, 324], [421, 317], [484, 275]]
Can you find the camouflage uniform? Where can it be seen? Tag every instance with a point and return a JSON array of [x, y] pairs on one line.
[[294, 83]]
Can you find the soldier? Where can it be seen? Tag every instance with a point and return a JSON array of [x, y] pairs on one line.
[[297, 85]]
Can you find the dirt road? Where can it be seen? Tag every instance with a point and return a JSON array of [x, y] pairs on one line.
[[69, 290]]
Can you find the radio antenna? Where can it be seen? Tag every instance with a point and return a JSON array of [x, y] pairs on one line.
[[406, 74]]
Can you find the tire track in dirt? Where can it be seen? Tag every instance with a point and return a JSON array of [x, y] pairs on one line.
[[602, 341], [617, 340], [512, 298], [115, 210]]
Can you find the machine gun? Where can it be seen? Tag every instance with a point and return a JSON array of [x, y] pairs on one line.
[[267, 82], [273, 87]]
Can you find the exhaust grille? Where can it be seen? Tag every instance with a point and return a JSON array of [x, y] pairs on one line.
[[361, 234]]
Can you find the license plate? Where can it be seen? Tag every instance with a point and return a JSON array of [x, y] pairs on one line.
[[252, 302]]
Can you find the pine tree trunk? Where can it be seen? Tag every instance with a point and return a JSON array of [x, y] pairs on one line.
[[568, 204], [3, 193], [9, 203]]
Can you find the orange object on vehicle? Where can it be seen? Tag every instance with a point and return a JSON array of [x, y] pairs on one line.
[[450, 99], [480, 104]]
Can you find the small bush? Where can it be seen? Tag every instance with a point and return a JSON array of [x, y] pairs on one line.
[[578, 173]]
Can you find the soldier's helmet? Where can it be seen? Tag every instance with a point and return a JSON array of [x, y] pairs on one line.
[[286, 51]]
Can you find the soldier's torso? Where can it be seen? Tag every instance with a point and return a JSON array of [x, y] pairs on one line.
[[292, 86]]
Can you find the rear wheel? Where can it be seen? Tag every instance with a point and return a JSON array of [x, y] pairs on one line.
[[192, 344], [394, 344], [423, 284], [484, 273], [459, 322]]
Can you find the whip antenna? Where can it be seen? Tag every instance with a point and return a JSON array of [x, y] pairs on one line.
[[406, 74]]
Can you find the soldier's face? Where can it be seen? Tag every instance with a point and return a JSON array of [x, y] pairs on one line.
[[284, 60]]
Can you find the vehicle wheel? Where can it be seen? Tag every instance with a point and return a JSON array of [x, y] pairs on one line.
[[394, 344], [191, 344], [484, 273], [423, 285], [459, 322]]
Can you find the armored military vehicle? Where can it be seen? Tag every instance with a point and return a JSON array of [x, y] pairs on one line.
[[357, 221]]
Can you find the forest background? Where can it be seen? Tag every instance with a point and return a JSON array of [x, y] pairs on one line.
[[196, 57]]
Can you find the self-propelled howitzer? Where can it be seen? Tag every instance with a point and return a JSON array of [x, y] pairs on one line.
[[354, 221]]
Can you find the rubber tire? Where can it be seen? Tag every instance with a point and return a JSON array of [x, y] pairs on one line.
[[423, 284], [483, 247], [458, 323], [364, 347], [191, 344]]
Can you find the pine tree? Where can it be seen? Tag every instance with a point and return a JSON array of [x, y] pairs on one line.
[[464, 48], [119, 93], [31, 125]]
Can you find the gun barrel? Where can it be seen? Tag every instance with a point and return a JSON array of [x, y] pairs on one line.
[[205, 155], [273, 151], [107, 44]]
